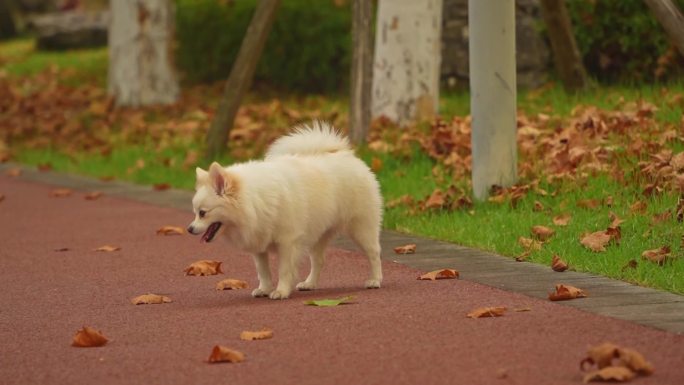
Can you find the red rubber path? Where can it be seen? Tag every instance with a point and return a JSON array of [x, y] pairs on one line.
[[408, 332]]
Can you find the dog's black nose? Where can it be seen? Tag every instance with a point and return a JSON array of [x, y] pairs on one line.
[[191, 229]]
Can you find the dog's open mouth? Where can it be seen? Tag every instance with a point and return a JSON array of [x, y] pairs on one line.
[[211, 232]]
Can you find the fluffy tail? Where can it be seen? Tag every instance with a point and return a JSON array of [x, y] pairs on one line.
[[318, 138]]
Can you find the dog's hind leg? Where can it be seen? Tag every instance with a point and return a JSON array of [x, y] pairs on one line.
[[317, 257], [264, 275], [367, 237]]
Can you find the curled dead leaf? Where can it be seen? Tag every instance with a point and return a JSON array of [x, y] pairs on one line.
[[487, 312], [538, 206], [223, 354], [93, 195], [596, 241], [204, 267], [60, 193], [557, 264], [231, 284], [659, 255], [566, 292], [150, 299], [436, 200], [562, 219], [88, 337], [522, 257], [406, 249], [258, 335], [610, 373], [602, 355], [108, 248], [635, 361], [529, 243], [542, 233], [440, 274], [638, 207], [170, 230]]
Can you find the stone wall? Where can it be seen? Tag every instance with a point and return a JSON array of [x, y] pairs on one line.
[[533, 51]]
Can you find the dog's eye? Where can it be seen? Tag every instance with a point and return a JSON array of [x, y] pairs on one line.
[[202, 213]]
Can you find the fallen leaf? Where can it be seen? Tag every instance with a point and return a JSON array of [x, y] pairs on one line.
[[231, 284], [13, 172], [436, 200], [635, 361], [638, 207], [487, 312], [557, 264], [93, 195], [60, 192], [161, 186], [258, 335], [680, 208], [600, 355], [88, 337], [588, 203], [406, 249], [329, 302], [170, 230], [538, 206], [542, 233], [566, 292], [62, 249], [150, 299], [611, 373], [608, 202], [659, 256], [529, 243], [522, 257], [562, 219], [204, 267], [108, 248], [662, 217], [376, 164], [596, 241], [522, 309], [631, 264], [224, 354], [440, 274], [42, 167]]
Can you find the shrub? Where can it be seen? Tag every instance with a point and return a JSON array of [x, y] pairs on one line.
[[622, 41], [308, 48]]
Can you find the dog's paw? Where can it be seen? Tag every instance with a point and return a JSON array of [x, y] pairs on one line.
[[373, 284], [258, 292], [278, 294], [305, 286]]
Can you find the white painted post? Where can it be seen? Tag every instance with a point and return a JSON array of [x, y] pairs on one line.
[[491, 26]]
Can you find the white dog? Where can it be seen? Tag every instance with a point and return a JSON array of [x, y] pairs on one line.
[[309, 188]]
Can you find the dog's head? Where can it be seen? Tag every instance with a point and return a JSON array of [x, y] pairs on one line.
[[215, 201]]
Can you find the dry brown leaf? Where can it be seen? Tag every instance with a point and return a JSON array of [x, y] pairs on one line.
[[93, 195], [529, 243], [406, 249], [638, 207], [170, 230], [665, 216], [538, 206], [88, 337], [204, 267], [601, 355], [62, 249], [522, 309], [13, 172], [440, 274], [588, 203], [557, 264], [60, 193], [659, 256], [596, 241], [562, 219], [542, 233], [566, 292], [487, 312], [231, 284], [435, 200], [635, 361], [150, 299], [631, 264], [376, 164], [161, 186], [522, 257], [223, 354], [610, 373], [108, 248], [258, 335], [679, 211]]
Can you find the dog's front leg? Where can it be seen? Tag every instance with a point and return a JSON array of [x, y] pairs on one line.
[[264, 275], [287, 271]]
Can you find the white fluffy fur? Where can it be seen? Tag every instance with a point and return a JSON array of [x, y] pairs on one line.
[[309, 188]]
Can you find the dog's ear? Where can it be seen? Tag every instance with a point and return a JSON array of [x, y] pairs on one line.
[[220, 179]]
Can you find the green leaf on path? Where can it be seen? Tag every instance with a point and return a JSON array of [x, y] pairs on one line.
[[329, 302]]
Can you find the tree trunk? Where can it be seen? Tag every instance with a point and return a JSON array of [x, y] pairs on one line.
[[140, 68], [407, 58], [566, 55], [7, 27], [361, 73], [670, 17], [491, 27], [241, 75]]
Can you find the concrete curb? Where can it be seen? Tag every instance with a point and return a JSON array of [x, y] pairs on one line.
[[608, 297]]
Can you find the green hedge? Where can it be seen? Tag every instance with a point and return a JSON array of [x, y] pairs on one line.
[[621, 41], [308, 49]]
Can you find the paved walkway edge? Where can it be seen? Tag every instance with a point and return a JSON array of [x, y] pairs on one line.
[[608, 297]]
